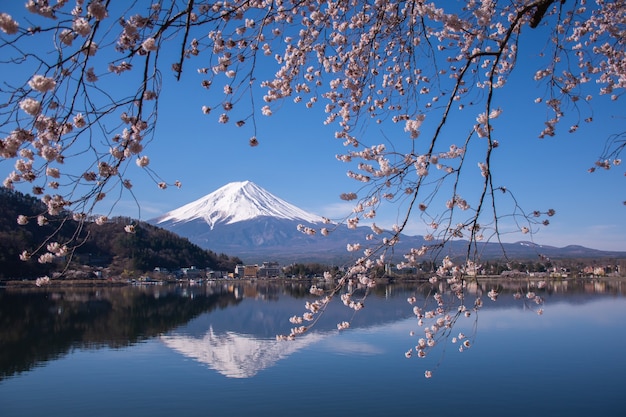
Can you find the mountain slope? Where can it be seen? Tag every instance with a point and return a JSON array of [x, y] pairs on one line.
[[246, 220], [236, 202], [107, 245]]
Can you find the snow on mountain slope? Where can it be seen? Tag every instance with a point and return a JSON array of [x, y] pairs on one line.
[[236, 202]]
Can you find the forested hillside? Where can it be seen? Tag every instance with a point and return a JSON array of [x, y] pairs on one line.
[[107, 246]]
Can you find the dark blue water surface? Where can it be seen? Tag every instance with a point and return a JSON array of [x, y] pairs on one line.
[[211, 350]]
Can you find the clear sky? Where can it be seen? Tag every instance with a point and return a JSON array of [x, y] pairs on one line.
[[295, 159]]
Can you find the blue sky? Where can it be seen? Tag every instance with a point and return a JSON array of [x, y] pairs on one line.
[[295, 159]]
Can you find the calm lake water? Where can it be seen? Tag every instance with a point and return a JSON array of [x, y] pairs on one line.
[[211, 351]]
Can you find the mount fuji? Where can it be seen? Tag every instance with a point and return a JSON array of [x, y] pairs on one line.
[[237, 202], [245, 220], [242, 219]]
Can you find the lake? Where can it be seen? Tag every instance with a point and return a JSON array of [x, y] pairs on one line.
[[211, 350]]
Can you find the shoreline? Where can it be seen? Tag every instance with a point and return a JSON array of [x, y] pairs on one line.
[[86, 283]]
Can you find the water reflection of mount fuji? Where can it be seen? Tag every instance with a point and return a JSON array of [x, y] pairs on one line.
[[239, 341], [237, 355]]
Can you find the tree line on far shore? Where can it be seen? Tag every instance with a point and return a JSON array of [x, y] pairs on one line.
[[104, 247]]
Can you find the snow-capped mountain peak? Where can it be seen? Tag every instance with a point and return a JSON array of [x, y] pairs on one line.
[[236, 202]]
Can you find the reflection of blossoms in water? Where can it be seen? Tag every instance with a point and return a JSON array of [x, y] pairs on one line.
[[42, 281], [349, 298], [454, 292], [448, 299]]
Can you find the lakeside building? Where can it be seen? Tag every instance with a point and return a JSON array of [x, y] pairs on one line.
[[250, 271], [265, 270], [269, 270]]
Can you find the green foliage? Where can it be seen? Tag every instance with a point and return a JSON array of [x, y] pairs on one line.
[[148, 247], [106, 246], [308, 269]]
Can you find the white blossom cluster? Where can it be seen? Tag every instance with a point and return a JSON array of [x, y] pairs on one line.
[[8, 25]]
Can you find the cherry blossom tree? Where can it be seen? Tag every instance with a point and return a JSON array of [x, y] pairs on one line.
[[413, 67]]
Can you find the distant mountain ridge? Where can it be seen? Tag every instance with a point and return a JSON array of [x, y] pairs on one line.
[[245, 220]]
